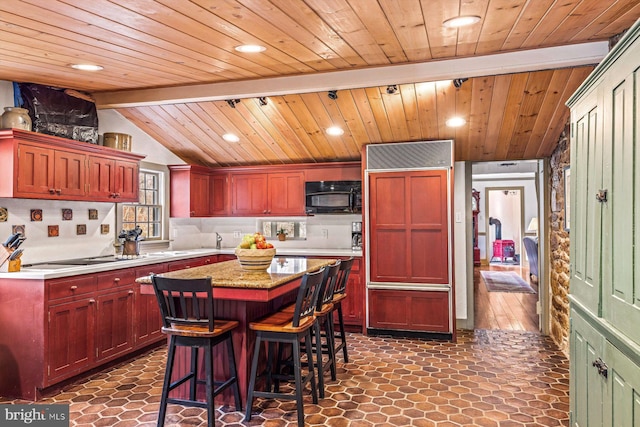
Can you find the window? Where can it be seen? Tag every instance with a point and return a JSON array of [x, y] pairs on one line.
[[148, 212]]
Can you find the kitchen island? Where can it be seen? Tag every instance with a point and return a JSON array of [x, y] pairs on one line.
[[243, 296]]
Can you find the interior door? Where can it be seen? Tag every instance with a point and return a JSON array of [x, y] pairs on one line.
[[409, 238]]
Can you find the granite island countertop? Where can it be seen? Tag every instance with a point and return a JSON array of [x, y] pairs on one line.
[[229, 274]]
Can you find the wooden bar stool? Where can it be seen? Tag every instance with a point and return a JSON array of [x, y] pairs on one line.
[[340, 293], [188, 318], [286, 327]]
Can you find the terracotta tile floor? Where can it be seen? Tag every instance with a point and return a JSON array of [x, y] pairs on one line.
[[487, 378]]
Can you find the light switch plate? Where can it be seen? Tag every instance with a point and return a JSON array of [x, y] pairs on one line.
[[237, 234], [458, 216]]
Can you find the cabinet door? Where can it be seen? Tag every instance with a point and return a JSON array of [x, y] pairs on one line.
[[35, 170], [126, 181], [114, 332], [219, 195], [147, 319], [409, 227], [587, 385], [70, 173], [71, 332], [286, 194], [353, 304], [620, 214], [249, 194], [101, 178], [622, 397], [199, 194]]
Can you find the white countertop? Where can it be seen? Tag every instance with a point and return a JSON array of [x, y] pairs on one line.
[[159, 257]]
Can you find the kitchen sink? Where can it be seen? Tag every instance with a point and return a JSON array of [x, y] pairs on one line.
[[169, 253]]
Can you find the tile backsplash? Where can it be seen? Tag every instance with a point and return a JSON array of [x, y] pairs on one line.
[[42, 218], [322, 231]]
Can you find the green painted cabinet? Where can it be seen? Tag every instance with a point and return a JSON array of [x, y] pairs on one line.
[[605, 213]]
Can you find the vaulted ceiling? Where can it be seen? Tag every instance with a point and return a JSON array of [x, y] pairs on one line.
[[171, 65]]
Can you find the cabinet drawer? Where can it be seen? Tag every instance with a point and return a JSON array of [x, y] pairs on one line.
[[72, 286], [116, 279]]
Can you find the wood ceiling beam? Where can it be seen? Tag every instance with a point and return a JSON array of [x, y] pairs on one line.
[[475, 66]]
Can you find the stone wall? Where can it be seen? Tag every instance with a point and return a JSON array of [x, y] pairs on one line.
[[559, 244]]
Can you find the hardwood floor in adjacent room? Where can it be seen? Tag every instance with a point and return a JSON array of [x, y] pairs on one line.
[[504, 310]]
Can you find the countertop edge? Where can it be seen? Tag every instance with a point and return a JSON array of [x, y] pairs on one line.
[[176, 255]]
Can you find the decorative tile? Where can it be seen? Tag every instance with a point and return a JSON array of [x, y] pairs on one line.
[[81, 229], [93, 213], [36, 214], [53, 231], [4, 214], [104, 228], [18, 229], [67, 214]]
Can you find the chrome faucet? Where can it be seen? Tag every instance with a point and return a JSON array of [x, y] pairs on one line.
[[218, 241]]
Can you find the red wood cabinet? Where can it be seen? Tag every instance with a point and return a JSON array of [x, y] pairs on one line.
[[146, 328], [410, 310], [197, 192], [409, 248], [353, 305], [259, 194], [48, 167], [115, 306]]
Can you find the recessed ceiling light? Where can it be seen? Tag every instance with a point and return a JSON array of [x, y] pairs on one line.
[[461, 21], [250, 48], [87, 67], [335, 131], [230, 137], [456, 122]]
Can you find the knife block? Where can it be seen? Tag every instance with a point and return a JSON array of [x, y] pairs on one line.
[[6, 265]]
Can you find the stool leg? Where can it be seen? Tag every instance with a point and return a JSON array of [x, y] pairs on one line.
[[208, 360], [319, 364], [234, 373], [297, 373], [194, 373], [331, 344], [343, 336], [252, 378], [167, 381], [312, 380]]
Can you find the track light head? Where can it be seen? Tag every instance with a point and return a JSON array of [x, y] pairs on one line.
[[458, 82], [232, 102], [391, 89], [332, 94], [262, 101]]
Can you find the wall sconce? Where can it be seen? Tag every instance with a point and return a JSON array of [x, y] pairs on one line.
[[392, 89], [332, 94], [232, 102], [262, 101], [458, 82]]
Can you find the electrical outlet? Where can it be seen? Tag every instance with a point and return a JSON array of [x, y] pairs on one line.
[[325, 233], [237, 234]]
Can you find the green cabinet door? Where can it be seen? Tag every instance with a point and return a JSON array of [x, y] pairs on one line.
[[621, 405], [587, 384], [586, 211]]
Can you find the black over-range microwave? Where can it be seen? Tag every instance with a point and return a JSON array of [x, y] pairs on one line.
[[333, 197]]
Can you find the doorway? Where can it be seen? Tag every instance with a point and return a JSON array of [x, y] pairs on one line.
[[509, 200], [504, 207]]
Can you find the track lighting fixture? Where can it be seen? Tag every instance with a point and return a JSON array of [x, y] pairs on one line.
[[262, 101], [391, 89], [232, 102], [332, 94], [458, 82]]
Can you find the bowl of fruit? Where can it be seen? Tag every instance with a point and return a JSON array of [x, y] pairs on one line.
[[254, 252]]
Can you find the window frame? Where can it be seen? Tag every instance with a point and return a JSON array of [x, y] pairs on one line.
[[161, 205]]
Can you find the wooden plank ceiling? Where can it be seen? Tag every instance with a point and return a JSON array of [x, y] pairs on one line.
[[155, 44]]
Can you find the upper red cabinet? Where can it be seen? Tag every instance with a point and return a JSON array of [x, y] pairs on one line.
[[197, 191], [277, 193], [48, 167]]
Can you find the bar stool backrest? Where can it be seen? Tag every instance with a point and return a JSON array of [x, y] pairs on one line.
[[185, 302], [307, 296], [328, 284], [343, 276]]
